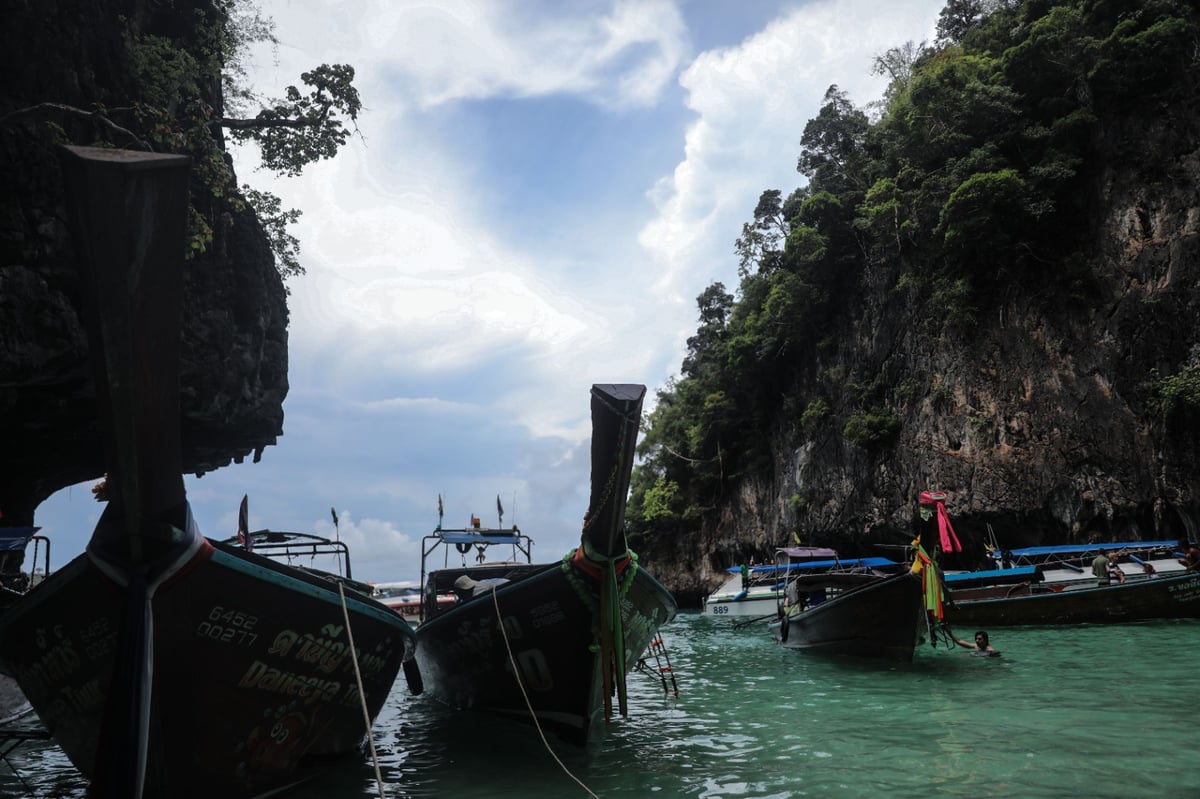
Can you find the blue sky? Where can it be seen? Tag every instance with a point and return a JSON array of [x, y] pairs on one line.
[[540, 192]]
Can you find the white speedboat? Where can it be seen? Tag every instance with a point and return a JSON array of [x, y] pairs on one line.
[[404, 597]]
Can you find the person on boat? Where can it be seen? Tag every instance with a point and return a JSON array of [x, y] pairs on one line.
[[745, 577], [1191, 558], [465, 587], [1113, 569], [1100, 568], [1149, 570], [981, 645]]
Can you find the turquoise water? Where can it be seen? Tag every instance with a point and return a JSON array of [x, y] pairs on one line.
[[1088, 711]]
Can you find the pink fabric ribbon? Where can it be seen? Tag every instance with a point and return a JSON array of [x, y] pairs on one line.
[[949, 540]]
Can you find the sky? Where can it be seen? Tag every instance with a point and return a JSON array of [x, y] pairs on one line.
[[538, 194]]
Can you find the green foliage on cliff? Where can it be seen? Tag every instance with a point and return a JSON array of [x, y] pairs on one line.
[[973, 180], [1176, 392], [186, 65]]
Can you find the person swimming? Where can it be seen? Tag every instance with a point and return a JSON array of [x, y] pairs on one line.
[[981, 646]]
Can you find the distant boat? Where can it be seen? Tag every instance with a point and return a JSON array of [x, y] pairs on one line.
[[1072, 563], [1054, 584], [994, 598], [1168, 597], [404, 597], [551, 643], [734, 600], [162, 663]]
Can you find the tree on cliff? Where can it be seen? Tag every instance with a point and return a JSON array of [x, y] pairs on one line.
[[977, 183], [184, 68]]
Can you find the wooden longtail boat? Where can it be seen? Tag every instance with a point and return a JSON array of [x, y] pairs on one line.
[[870, 615], [1174, 596], [165, 665], [734, 599], [1055, 584], [857, 615], [549, 643]]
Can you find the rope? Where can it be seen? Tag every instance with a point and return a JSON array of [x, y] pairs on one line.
[[612, 642], [517, 674], [361, 694], [608, 624]]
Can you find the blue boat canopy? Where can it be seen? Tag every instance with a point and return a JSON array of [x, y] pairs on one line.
[[14, 538], [994, 575], [1079, 549], [865, 563], [488, 537]]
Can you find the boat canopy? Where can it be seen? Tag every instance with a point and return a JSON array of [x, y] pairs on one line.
[[994, 576], [864, 563], [479, 536], [13, 538], [810, 553], [1079, 549]]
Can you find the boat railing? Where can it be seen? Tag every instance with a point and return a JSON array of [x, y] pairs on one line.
[[14, 546], [464, 541], [291, 547]]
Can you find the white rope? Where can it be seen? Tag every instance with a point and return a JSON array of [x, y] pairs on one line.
[[361, 695], [528, 704]]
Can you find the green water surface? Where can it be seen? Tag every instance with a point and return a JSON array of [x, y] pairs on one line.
[[1085, 711]]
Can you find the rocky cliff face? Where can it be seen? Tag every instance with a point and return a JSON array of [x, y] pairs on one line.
[[1037, 421], [61, 60]]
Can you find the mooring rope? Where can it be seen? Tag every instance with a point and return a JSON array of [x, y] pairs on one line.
[[361, 694], [517, 674]]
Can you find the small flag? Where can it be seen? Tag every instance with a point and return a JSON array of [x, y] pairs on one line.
[[440, 510], [333, 514], [499, 507], [243, 531]]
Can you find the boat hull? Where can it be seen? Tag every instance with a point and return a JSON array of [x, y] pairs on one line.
[[883, 618], [1165, 597], [751, 603], [249, 665], [548, 621]]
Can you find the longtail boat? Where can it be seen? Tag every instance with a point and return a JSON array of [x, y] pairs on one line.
[[1170, 596], [867, 614], [549, 644], [162, 664], [1055, 584]]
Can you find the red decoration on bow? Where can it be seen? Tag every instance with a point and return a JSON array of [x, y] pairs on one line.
[[949, 540]]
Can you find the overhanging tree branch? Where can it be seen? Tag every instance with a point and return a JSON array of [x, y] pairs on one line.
[[95, 116]]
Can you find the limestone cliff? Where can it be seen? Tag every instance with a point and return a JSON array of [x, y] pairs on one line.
[[62, 62], [1039, 418]]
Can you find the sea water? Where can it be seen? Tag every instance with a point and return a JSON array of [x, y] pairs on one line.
[[1081, 711]]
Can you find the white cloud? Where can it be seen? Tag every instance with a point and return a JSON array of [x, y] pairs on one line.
[[623, 56], [752, 101]]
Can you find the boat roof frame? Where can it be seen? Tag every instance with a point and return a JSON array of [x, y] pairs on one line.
[[478, 537]]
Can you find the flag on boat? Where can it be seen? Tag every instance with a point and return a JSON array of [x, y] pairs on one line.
[[333, 515], [243, 531], [931, 584], [949, 540], [440, 510], [499, 507]]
